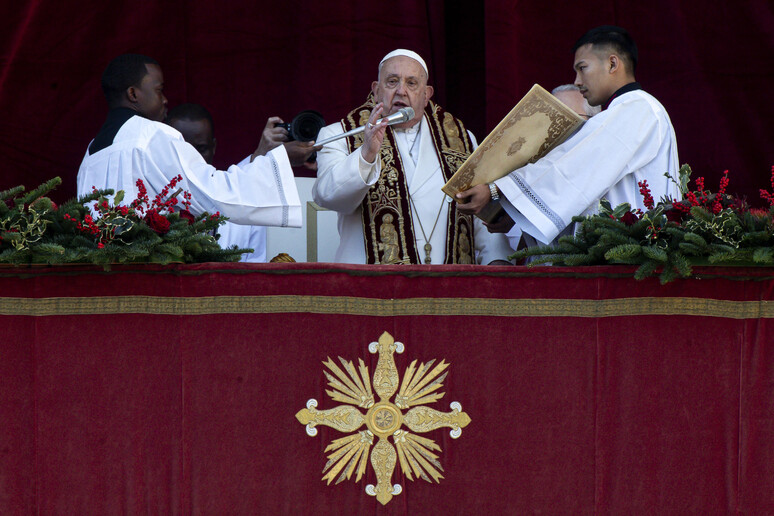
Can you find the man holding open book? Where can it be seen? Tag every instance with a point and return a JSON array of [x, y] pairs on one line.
[[631, 140]]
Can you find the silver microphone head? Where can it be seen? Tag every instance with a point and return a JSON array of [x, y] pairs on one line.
[[402, 115], [408, 113]]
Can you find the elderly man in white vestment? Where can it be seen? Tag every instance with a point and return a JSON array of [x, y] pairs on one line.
[[385, 183], [134, 144], [631, 140]]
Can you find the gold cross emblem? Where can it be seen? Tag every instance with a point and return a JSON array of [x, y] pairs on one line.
[[383, 419]]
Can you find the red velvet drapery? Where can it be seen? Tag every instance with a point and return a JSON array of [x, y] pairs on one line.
[[173, 391], [710, 65]]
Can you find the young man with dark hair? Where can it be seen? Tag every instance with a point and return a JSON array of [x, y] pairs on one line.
[[123, 72], [631, 140], [614, 39], [133, 144]]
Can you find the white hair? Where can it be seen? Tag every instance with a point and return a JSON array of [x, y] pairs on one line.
[[589, 109]]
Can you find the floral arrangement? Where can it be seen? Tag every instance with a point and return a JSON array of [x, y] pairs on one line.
[[33, 229], [702, 228]]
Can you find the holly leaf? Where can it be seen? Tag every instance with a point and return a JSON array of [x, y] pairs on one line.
[[621, 210]]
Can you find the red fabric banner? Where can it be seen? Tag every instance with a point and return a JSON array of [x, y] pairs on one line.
[[711, 67], [174, 390]]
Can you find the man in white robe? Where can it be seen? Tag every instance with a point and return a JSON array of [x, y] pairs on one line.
[[631, 140], [134, 144], [345, 178]]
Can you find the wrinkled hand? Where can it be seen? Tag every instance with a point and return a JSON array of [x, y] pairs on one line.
[[373, 135], [472, 201], [502, 224], [271, 137], [299, 152]]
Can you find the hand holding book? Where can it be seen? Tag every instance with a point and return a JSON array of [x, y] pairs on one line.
[[538, 123]]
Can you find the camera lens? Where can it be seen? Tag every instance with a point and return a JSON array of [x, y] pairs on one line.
[[306, 125]]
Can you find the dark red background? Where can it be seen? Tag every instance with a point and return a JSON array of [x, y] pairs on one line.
[[711, 65]]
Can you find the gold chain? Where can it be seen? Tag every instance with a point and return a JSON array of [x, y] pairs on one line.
[[428, 246]]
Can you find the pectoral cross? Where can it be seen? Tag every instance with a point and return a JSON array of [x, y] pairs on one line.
[[428, 248]]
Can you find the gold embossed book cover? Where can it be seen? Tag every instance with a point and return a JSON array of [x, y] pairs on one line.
[[538, 123]]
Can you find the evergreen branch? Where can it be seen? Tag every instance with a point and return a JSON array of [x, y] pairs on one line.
[[763, 255], [647, 269]]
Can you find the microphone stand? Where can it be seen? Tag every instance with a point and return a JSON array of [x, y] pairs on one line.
[[356, 130]]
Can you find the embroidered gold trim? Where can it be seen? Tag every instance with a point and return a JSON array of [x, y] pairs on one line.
[[418, 306]]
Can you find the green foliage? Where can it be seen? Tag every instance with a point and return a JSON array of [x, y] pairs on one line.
[[34, 230], [655, 253], [648, 268], [625, 253], [684, 175], [764, 255], [702, 228]]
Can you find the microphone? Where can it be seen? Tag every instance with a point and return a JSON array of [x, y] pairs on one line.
[[402, 115]]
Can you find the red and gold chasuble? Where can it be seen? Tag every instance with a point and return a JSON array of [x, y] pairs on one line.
[[386, 210]]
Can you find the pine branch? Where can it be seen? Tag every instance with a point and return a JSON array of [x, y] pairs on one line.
[[42, 189], [655, 253], [647, 269], [764, 255], [624, 253]]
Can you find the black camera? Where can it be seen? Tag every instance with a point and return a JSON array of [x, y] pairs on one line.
[[304, 127]]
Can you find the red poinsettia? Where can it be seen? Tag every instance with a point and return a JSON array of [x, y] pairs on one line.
[[157, 222], [187, 215], [677, 213], [629, 218]]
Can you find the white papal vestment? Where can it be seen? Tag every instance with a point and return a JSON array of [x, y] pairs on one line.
[[343, 180]]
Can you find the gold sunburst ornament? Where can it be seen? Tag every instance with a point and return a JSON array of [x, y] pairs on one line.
[[383, 419]]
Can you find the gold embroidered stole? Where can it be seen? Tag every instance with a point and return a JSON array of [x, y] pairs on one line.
[[386, 211]]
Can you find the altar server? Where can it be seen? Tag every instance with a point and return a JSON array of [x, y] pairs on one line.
[[631, 140], [133, 144], [385, 183]]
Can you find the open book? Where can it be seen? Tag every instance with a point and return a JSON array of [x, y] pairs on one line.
[[537, 124]]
